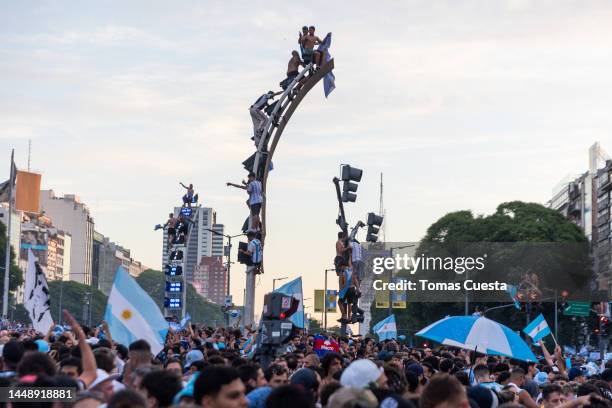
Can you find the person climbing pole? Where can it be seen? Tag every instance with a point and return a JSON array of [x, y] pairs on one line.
[[254, 188]]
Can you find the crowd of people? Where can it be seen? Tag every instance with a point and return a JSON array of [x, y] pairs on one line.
[[218, 368]]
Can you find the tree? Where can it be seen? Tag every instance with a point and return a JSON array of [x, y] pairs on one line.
[[200, 310], [519, 239], [15, 276], [73, 296]]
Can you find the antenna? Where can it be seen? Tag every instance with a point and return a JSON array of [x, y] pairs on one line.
[[381, 211], [29, 153]]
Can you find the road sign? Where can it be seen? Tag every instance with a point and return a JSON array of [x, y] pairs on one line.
[[577, 309]]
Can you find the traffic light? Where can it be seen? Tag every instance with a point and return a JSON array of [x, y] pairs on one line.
[[172, 303], [279, 306], [174, 287], [374, 223], [350, 177], [174, 270]]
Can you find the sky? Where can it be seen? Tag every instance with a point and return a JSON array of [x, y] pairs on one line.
[[461, 104]]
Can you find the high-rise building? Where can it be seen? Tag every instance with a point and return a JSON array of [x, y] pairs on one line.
[[217, 240], [200, 240], [58, 259], [108, 256], [15, 226], [210, 279], [72, 216], [585, 200]]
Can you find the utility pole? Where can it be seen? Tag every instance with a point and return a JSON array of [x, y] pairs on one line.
[[7, 253]]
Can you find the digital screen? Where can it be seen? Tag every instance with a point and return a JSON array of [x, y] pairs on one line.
[[174, 270], [174, 287], [172, 303], [176, 255], [186, 211]]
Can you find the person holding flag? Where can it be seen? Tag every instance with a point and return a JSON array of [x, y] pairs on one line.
[[386, 329], [538, 329]]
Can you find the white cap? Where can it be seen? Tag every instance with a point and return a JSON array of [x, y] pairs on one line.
[[360, 374]]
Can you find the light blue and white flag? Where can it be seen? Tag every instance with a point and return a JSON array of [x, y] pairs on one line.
[[185, 320], [294, 288], [386, 329], [329, 82], [537, 329], [132, 314], [513, 292]]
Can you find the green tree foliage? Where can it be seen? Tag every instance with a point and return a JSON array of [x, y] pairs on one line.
[[523, 228], [73, 295], [200, 310], [16, 276]]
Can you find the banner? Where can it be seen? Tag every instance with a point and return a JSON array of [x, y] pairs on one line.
[[27, 197], [319, 300], [332, 300], [381, 297], [398, 297], [324, 345], [36, 296]]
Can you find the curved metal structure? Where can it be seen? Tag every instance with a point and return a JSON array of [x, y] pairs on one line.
[[277, 121]]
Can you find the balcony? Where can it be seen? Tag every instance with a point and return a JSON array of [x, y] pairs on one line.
[[574, 207], [603, 219]]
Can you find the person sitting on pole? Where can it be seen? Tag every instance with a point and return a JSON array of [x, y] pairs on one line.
[[301, 36], [188, 197], [308, 42], [255, 252], [258, 116], [254, 189]]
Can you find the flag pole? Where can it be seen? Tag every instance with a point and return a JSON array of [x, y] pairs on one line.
[[7, 253]]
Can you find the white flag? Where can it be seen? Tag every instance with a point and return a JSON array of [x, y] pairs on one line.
[[36, 296]]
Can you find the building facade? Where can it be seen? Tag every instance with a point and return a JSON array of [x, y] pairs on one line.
[[200, 242], [210, 279], [585, 200], [72, 216], [108, 256]]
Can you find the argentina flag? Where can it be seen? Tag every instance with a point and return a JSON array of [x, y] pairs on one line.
[[386, 329], [329, 82], [537, 329], [132, 314], [294, 288]]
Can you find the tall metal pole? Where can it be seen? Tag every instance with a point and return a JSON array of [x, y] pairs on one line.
[[556, 314], [325, 303], [390, 280], [7, 253], [59, 312], [467, 300]]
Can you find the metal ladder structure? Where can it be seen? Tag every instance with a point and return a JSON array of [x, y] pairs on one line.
[[271, 134], [170, 309]]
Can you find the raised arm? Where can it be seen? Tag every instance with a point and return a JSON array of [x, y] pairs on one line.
[[235, 185], [107, 333], [547, 355], [184, 186], [88, 360]]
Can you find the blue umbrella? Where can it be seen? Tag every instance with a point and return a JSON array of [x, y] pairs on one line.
[[480, 334]]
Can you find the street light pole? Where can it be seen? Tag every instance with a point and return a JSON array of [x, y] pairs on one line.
[[277, 279]]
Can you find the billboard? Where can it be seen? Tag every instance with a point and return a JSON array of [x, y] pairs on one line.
[[27, 192], [34, 238]]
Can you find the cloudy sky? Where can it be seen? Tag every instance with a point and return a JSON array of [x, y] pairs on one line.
[[461, 104]]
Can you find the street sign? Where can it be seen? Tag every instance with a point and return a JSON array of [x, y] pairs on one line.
[[577, 309], [228, 301]]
